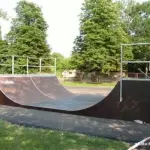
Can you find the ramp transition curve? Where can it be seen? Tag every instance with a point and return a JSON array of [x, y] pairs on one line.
[[46, 93]]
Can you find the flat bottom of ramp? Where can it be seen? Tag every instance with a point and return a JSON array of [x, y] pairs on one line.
[[106, 128]]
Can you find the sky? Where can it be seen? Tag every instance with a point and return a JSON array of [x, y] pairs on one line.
[[62, 16]]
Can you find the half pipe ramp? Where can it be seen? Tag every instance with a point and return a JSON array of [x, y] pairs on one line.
[[47, 93]]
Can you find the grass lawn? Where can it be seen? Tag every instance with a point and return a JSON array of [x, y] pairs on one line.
[[14, 137], [103, 84]]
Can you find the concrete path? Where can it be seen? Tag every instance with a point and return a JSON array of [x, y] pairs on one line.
[[112, 129]]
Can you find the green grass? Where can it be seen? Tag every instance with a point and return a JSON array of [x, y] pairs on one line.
[[103, 84], [59, 74], [14, 137]]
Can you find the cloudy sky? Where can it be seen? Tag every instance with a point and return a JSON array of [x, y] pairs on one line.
[[61, 16]]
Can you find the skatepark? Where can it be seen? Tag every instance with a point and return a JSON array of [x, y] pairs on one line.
[[41, 101], [46, 93], [74, 75]]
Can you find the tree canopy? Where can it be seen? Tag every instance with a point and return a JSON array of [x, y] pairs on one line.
[[139, 28], [97, 48], [28, 31], [3, 15], [62, 62], [137, 22], [104, 25], [3, 43], [27, 36]]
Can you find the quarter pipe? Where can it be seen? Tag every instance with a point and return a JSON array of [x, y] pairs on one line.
[[46, 93]]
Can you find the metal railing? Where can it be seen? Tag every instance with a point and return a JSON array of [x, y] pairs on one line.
[[126, 62], [13, 61], [143, 143], [138, 75]]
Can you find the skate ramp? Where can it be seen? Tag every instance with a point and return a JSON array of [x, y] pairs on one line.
[[51, 86], [20, 91]]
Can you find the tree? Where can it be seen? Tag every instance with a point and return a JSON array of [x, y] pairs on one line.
[[138, 27], [66, 64], [59, 59], [3, 15], [62, 62], [97, 48], [3, 45], [27, 36], [125, 7]]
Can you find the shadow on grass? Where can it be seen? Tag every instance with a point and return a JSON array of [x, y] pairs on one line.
[[16, 137]]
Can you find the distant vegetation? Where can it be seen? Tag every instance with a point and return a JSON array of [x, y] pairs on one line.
[[104, 25]]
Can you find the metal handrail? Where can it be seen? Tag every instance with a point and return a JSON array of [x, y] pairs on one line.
[[127, 61], [24, 56], [136, 61], [139, 143], [5, 65], [39, 65], [135, 44]]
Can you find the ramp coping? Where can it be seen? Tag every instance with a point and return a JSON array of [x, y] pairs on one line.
[[133, 79], [27, 75]]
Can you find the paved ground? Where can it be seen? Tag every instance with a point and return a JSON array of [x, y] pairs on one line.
[[113, 129], [89, 90]]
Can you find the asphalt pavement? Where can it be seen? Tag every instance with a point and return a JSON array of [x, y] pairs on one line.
[[105, 128]]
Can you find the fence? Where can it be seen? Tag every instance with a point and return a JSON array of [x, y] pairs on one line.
[[129, 61], [138, 75], [13, 64]]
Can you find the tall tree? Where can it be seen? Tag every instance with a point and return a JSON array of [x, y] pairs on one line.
[[97, 48], [126, 10], [27, 36], [28, 31], [3, 15], [59, 59], [3, 44], [62, 62], [138, 22]]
